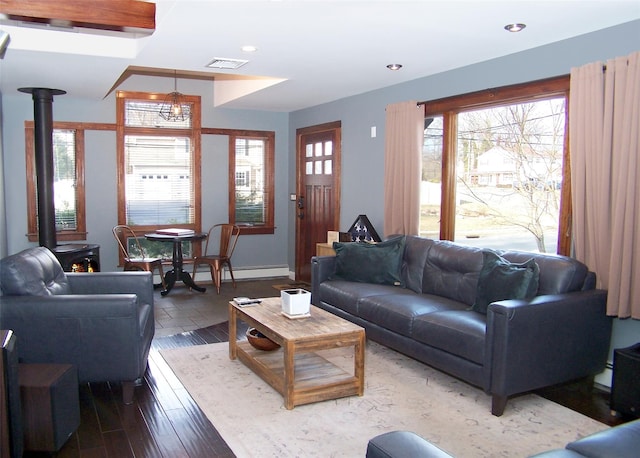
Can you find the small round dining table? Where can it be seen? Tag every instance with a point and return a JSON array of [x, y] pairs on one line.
[[177, 273]]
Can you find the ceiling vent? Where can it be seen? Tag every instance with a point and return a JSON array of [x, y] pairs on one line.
[[230, 64]]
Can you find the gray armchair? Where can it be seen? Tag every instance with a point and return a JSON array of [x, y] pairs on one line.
[[101, 322]]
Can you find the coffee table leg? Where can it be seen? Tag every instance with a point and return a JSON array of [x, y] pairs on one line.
[[358, 359], [232, 332], [289, 375]]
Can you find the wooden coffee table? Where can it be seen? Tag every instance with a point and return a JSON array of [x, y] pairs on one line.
[[295, 370]]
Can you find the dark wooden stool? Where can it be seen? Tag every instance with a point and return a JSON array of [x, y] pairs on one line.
[[50, 405], [625, 388]]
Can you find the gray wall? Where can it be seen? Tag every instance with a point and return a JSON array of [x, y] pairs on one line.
[[363, 156]]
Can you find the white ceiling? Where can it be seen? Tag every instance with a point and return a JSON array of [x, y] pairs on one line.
[[315, 51]]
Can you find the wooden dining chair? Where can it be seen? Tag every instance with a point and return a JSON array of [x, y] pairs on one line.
[[137, 260], [228, 235]]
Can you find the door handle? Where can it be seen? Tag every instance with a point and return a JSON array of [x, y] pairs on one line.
[[301, 215], [300, 202]]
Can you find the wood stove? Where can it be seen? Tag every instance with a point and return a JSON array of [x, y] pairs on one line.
[[78, 257], [74, 257]]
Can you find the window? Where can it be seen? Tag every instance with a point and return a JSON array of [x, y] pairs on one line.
[[251, 172], [158, 168], [68, 172], [494, 168]]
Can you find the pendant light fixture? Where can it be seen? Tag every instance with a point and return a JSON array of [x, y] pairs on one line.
[[174, 108]]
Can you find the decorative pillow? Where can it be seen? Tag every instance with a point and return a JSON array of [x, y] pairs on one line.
[[499, 280], [370, 262]]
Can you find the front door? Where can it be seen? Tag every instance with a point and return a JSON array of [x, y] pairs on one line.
[[317, 191]]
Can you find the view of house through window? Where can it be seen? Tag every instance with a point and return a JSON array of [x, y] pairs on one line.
[[157, 166], [64, 179], [249, 162], [251, 182], [68, 182], [508, 169], [158, 182]]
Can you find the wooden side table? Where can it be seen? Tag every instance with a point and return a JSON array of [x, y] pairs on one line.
[[11, 442], [325, 249], [50, 405], [625, 389]]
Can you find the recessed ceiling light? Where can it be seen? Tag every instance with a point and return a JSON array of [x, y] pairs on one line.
[[394, 66], [516, 27], [223, 62], [249, 48]]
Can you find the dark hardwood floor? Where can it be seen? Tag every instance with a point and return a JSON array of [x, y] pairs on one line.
[[164, 421]]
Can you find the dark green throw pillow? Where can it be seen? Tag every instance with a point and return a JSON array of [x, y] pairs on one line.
[[499, 280], [370, 262]]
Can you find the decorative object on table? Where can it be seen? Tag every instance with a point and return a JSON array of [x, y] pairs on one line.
[[363, 231], [336, 236], [259, 341], [175, 231], [296, 303], [246, 301]]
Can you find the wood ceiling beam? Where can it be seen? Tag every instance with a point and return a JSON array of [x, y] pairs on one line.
[[115, 15]]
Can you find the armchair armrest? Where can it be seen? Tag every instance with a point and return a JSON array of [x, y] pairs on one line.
[[322, 267], [547, 340], [138, 283]]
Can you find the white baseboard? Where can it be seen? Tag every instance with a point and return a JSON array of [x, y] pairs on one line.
[[604, 378], [248, 273]]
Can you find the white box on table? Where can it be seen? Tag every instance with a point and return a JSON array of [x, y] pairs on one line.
[[295, 301]]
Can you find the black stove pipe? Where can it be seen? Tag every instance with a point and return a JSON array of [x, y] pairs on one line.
[[43, 146]]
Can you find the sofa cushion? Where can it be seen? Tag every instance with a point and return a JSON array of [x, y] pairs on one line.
[[32, 272], [379, 263], [345, 294], [500, 279], [416, 250], [451, 271], [397, 311], [459, 332], [558, 274]]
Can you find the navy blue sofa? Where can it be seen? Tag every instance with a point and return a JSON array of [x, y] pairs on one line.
[[560, 335]]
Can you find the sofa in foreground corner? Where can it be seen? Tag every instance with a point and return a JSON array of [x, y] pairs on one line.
[[439, 302], [623, 441]]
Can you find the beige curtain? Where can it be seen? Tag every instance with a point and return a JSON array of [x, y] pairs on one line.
[[403, 168], [605, 174]]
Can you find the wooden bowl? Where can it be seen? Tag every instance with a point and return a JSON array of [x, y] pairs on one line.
[[259, 341]]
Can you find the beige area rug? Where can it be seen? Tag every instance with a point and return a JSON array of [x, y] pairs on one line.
[[400, 394]]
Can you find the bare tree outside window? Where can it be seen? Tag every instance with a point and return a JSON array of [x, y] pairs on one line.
[[508, 175]]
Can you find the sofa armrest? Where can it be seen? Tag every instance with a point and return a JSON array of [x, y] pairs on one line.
[[138, 283], [547, 340], [103, 335], [322, 267]]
